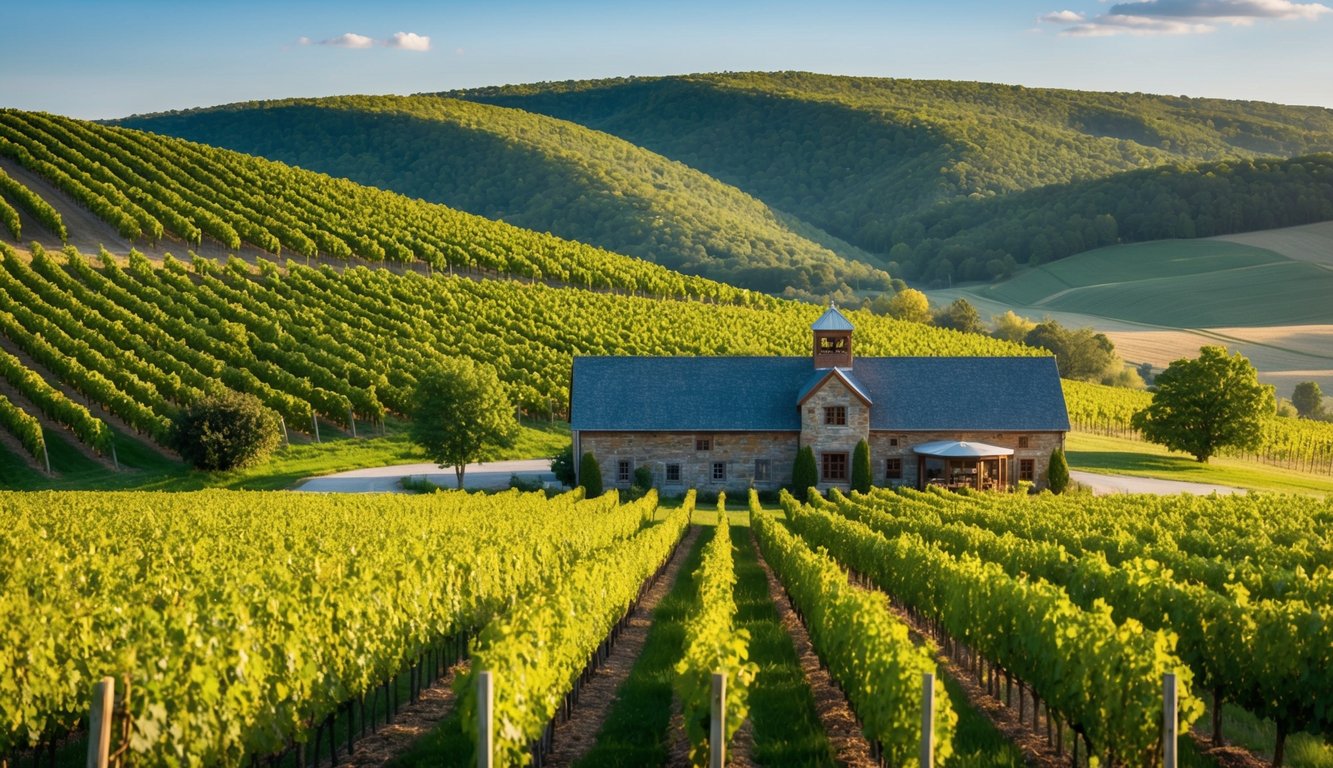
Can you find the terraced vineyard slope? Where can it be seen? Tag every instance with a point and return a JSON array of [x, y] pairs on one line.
[[540, 173]]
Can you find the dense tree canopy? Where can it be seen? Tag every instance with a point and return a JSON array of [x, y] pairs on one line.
[[1115, 166], [960, 315], [1207, 403], [1079, 353], [781, 177], [1308, 399], [911, 305], [225, 431], [462, 414], [542, 174]]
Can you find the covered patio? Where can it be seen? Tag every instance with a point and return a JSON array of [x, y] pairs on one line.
[[959, 464]]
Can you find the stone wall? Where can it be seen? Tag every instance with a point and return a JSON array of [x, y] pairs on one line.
[[833, 438], [738, 452], [1039, 447]]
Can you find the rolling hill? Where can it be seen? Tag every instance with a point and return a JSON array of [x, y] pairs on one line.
[[99, 352], [539, 173], [1262, 293], [770, 180], [912, 168]]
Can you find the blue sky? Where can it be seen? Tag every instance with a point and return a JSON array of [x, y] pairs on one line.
[[109, 59]]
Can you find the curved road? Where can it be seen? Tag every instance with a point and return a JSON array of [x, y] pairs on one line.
[[1104, 485], [495, 475], [491, 476]]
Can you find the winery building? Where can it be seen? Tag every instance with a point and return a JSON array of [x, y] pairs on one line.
[[726, 423]]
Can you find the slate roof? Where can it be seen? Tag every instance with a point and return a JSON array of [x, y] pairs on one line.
[[832, 320], [820, 376], [757, 394]]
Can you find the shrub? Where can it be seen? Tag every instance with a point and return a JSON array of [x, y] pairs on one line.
[[590, 476], [1057, 476], [804, 474], [643, 478], [562, 466], [225, 432], [861, 474]]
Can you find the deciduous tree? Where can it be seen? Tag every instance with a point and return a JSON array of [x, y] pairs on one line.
[[228, 431], [911, 305], [1308, 399], [461, 414], [960, 316], [1205, 404]]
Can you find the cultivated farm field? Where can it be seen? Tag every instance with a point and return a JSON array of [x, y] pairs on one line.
[[1263, 294]]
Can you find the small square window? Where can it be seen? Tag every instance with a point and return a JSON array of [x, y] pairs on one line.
[[834, 467], [1023, 441], [893, 442], [835, 414], [623, 469], [673, 473], [1027, 469], [762, 469], [719, 470], [703, 443], [893, 469]]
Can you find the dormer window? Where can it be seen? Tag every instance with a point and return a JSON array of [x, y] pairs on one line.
[[835, 415]]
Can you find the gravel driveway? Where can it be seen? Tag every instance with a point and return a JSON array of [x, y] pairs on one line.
[[493, 475], [1103, 485]]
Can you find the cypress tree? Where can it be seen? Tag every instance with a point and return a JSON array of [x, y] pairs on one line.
[[804, 474], [1057, 477], [590, 476], [861, 467]]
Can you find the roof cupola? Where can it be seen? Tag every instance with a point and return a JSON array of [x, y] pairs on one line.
[[832, 339]]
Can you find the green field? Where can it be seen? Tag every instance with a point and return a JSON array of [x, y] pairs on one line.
[[146, 469], [1121, 456], [1177, 283]]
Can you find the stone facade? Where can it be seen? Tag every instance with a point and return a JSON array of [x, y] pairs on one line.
[[758, 446], [820, 431], [1034, 446], [741, 455]]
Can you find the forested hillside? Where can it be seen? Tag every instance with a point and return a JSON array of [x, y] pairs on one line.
[[538, 173], [870, 160]]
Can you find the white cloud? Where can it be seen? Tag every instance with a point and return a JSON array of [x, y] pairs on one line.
[[1180, 17], [1063, 17], [348, 40], [409, 41]]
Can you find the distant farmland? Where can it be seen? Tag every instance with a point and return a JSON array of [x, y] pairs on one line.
[[1265, 294]]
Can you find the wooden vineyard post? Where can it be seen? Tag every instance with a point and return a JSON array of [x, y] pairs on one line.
[[283, 421], [927, 720], [1170, 724], [114, 459], [351, 419], [46, 457], [314, 421], [99, 723], [717, 736], [485, 715]]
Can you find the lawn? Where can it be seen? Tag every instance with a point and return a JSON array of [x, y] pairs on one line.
[[1122, 456], [146, 469], [1175, 283]]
